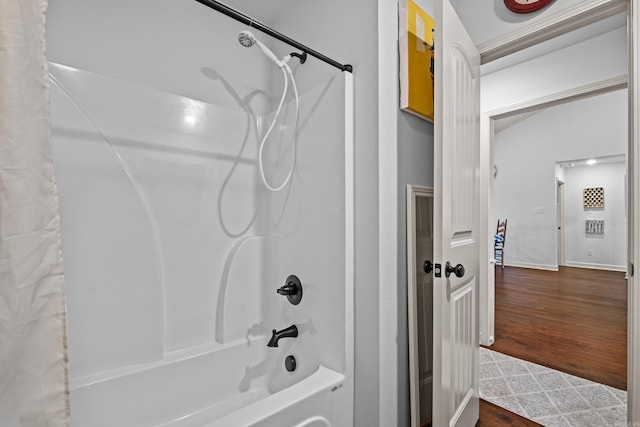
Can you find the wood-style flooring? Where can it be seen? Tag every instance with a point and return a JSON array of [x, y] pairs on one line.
[[495, 416], [573, 320]]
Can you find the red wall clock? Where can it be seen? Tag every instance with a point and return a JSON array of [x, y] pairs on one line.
[[526, 6]]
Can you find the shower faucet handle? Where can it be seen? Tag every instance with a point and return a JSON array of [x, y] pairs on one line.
[[292, 289], [288, 289]]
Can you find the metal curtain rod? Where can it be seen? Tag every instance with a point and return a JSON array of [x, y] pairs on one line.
[[232, 13]]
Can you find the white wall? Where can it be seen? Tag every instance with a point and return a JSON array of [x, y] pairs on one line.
[[525, 155], [415, 157], [608, 250]]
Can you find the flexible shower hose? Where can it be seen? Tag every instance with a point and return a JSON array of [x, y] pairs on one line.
[[285, 70]]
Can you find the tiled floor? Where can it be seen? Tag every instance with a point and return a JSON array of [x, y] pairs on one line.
[[549, 397]]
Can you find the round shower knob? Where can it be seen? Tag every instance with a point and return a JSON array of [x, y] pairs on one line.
[[290, 363], [292, 289]]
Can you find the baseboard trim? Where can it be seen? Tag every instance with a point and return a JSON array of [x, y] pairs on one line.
[[532, 266], [591, 266]]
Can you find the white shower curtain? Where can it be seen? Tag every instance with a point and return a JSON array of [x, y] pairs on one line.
[[33, 355]]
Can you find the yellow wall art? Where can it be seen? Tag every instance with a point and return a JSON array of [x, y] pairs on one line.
[[416, 41]]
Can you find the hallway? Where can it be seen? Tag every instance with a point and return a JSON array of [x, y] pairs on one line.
[[573, 320]]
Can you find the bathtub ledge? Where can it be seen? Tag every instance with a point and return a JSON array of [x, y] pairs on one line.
[[324, 379]]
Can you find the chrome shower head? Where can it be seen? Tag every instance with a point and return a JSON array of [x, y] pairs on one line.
[[247, 39]]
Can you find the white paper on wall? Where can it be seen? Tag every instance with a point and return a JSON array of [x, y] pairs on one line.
[[594, 226]]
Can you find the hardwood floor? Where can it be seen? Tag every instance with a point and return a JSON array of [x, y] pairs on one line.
[[495, 416], [574, 320]]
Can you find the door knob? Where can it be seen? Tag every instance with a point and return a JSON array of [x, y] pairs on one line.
[[428, 266], [458, 270]]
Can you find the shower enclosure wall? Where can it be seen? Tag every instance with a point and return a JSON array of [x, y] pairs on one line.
[[173, 247]]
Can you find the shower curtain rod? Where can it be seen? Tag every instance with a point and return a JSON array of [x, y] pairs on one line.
[[232, 13]]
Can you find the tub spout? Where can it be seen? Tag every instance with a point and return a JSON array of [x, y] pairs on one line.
[[290, 332]]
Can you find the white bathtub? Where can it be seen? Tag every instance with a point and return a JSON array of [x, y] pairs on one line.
[[194, 391], [304, 404]]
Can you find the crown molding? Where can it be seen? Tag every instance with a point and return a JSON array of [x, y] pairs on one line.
[[564, 21]]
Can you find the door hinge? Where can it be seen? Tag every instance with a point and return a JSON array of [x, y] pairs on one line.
[[437, 270], [630, 269]]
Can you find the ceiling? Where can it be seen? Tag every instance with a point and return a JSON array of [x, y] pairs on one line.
[[484, 19], [619, 158]]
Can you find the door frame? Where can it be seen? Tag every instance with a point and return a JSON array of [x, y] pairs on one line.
[[560, 214], [413, 193], [633, 216], [582, 14]]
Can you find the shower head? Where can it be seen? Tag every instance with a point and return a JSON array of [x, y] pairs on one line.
[[247, 39]]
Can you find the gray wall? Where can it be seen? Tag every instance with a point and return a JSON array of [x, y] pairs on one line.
[[360, 47], [415, 166]]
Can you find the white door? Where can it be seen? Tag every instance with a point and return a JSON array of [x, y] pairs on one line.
[[456, 225]]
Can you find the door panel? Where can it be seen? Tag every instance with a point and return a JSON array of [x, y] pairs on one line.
[[457, 139], [464, 153], [463, 326]]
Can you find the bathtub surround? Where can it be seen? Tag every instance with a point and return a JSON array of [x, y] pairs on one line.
[[193, 53], [174, 276], [33, 354], [188, 247]]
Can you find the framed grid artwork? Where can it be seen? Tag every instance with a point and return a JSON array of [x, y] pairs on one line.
[[593, 197]]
